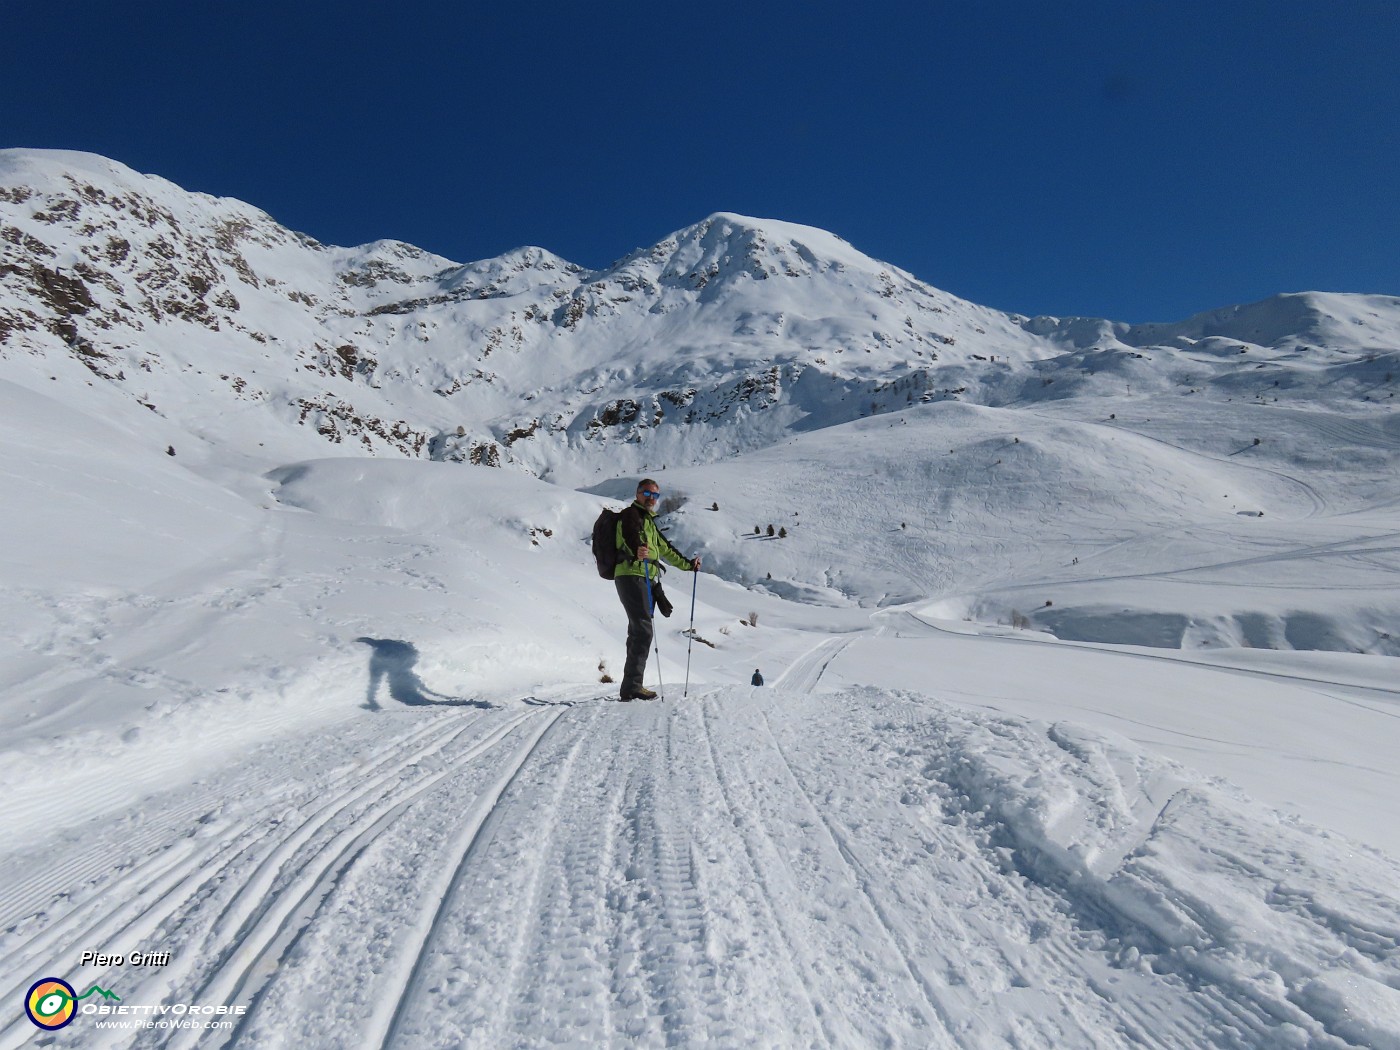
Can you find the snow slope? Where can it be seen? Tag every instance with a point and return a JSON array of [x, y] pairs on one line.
[[1081, 711]]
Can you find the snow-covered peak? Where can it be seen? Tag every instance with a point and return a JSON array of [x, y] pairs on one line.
[[1339, 320], [396, 253], [70, 182], [1318, 318], [519, 271], [726, 247], [38, 168]]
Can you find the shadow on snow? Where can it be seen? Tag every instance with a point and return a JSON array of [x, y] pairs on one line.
[[392, 662]]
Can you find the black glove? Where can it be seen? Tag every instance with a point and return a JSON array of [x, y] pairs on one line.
[[662, 602]]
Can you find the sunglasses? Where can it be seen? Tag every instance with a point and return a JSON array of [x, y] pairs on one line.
[[647, 494]]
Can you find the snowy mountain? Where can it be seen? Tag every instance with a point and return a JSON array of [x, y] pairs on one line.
[[727, 336], [1080, 640], [731, 336]]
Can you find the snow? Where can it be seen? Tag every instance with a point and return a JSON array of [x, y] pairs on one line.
[[1082, 707]]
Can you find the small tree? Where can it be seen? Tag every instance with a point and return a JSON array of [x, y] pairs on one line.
[[782, 533], [770, 530], [757, 531]]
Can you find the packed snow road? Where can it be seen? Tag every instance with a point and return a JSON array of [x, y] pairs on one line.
[[772, 867]]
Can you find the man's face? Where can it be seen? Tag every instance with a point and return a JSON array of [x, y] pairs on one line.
[[648, 495]]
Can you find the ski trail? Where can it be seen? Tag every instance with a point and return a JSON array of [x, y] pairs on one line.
[[797, 970], [475, 831], [588, 915], [671, 991], [125, 883], [769, 868], [271, 921], [803, 674]]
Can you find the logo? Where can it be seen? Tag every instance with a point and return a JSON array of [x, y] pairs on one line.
[[52, 1002]]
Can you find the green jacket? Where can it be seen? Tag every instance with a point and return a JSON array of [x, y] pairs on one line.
[[636, 527]]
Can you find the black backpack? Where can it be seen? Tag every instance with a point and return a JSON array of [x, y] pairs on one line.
[[605, 542]]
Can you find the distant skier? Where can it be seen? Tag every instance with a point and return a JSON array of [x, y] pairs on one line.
[[640, 544], [757, 678]]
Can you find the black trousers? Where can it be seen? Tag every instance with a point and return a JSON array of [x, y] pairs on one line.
[[632, 592]]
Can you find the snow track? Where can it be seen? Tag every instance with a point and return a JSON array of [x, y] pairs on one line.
[[780, 867]]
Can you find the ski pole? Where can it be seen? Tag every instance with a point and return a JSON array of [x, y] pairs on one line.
[[651, 611], [695, 583]]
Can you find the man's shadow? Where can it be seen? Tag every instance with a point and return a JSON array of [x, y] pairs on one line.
[[392, 662]]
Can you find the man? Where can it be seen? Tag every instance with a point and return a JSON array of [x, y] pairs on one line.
[[641, 548], [757, 678]]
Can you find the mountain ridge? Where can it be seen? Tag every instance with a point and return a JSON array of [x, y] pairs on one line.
[[745, 330]]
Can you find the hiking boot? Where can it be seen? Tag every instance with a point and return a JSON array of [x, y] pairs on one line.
[[640, 693]]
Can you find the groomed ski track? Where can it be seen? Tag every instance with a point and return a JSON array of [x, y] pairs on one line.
[[712, 870]]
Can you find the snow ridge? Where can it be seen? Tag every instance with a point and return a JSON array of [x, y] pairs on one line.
[[386, 349]]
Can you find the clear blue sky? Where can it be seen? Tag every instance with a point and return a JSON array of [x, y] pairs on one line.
[[1130, 159]]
